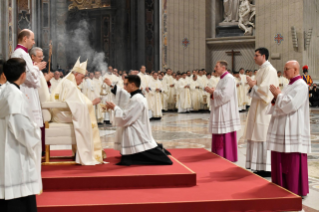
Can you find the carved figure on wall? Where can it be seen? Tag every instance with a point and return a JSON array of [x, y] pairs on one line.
[[231, 9], [247, 12]]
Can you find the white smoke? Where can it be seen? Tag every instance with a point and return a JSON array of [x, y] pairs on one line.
[[81, 40]]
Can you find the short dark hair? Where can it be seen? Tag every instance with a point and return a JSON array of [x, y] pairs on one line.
[[22, 34], [14, 68], [263, 51], [134, 79]]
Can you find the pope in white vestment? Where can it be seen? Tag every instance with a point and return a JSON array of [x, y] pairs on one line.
[[224, 117], [288, 136], [257, 156], [81, 114]]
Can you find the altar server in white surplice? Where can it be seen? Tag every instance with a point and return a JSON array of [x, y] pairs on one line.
[[257, 156], [195, 89], [155, 96], [224, 116], [33, 72], [20, 144], [185, 102], [134, 134], [288, 136], [168, 81], [81, 114]]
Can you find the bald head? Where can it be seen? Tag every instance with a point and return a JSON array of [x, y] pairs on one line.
[[26, 38], [292, 69]]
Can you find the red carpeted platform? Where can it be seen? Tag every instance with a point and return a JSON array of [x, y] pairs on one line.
[[221, 186], [111, 176]]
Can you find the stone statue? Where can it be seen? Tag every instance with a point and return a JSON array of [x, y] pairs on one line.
[[247, 12], [231, 10]]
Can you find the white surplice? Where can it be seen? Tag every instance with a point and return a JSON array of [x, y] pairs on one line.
[[257, 156], [289, 127], [169, 101], [54, 83], [81, 114], [134, 132], [184, 98], [30, 86], [20, 146], [155, 98], [212, 83], [196, 92], [224, 116]]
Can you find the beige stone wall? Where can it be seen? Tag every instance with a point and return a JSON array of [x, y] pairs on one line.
[[186, 19], [278, 16], [311, 20]]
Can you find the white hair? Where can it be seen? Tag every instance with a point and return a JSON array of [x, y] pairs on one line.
[[34, 51]]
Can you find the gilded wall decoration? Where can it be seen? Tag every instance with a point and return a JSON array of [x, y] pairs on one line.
[[89, 4]]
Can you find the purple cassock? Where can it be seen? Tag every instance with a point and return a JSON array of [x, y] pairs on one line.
[[224, 118], [288, 137], [225, 145]]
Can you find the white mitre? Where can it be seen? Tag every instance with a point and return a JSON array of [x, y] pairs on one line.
[[80, 67]]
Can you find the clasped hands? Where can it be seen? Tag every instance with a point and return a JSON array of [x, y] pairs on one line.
[[251, 82], [274, 90], [209, 90]]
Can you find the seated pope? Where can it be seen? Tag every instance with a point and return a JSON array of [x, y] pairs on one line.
[[88, 149]]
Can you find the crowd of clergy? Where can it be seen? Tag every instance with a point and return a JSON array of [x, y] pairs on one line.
[[277, 127]]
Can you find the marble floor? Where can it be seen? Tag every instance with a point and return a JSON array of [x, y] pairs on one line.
[[191, 131]]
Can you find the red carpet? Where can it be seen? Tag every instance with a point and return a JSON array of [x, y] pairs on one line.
[[221, 186], [111, 176]]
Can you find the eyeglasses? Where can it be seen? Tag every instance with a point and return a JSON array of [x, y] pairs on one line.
[[257, 55], [42, 57]]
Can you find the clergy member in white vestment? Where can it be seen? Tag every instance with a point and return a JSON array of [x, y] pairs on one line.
[[55, 80], [257, 156], [134, 137], [184, 100], [20, 144], [212, 83], [108, 116], [97, 87], [145, 78], [168, 82], [121, 81], [283, 81], [288, 136], [224, 116], [244, 86], [81, 113], [3, 78], [195, 90], [240, 88], [33, 71], [155, 96]]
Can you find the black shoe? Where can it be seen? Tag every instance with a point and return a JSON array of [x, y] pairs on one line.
[[263, 173]]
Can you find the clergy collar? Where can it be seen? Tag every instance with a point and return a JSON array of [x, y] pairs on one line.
[[19, 46], [136, 92], [15, 85], [294, 79], [223, 75]]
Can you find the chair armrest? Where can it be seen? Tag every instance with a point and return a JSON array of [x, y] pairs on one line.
[[51, 105]]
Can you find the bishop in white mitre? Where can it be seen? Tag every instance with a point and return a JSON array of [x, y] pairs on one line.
[[196, 93], [169, 84], [257, 156], [55, 80], [20, 144], [184, 99], [155, 97], [81, 114], [33, 75], [288, 136], [133, 129], [224, 118]]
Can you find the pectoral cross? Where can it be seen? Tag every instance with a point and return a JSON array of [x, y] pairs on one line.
[[233, 53]]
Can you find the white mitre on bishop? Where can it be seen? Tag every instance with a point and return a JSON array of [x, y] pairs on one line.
[[80, 67]]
